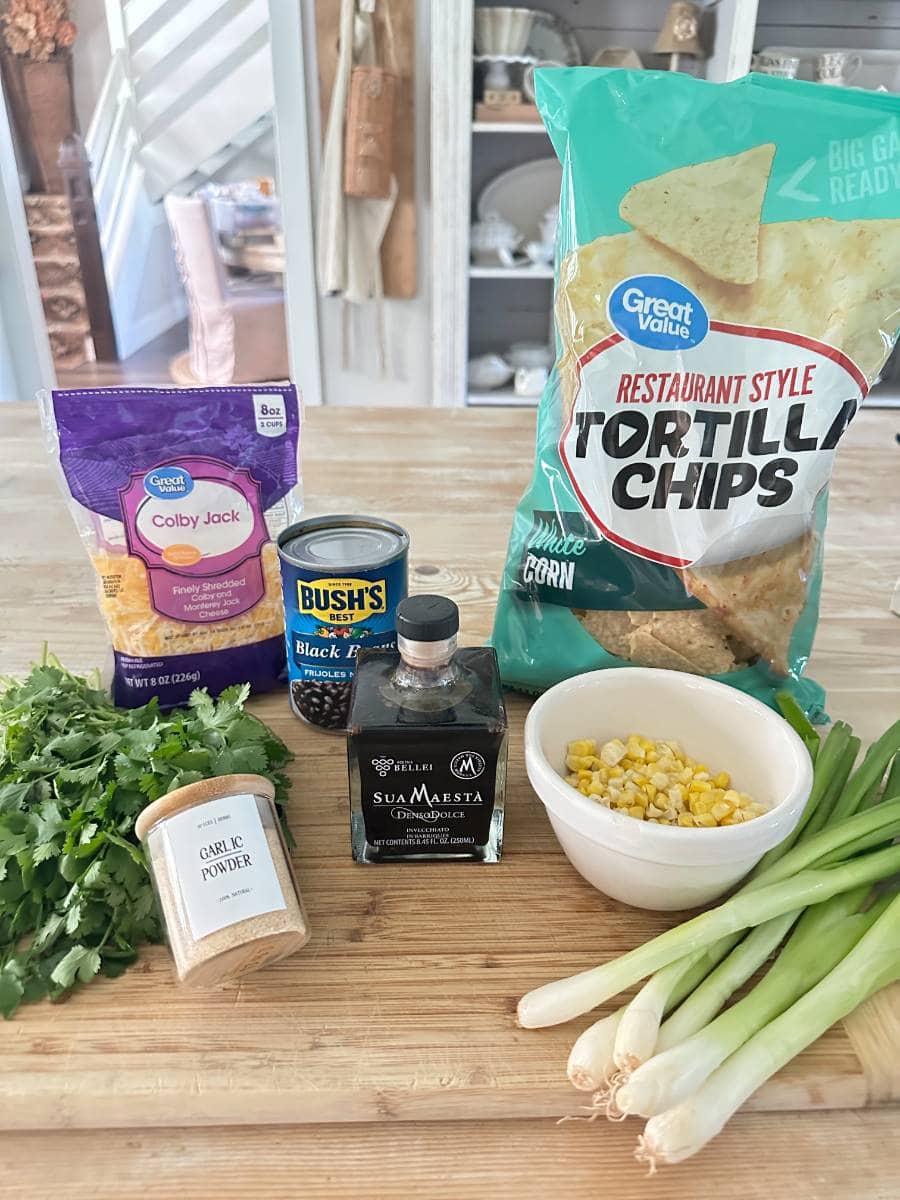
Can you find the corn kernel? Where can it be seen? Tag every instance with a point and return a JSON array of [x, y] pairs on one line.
[[613, 751], [656, 781]]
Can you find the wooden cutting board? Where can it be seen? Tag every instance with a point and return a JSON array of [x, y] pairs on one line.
[[402, 1006]]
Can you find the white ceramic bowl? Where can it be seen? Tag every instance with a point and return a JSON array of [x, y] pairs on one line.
[[661, 866], [502, 31]]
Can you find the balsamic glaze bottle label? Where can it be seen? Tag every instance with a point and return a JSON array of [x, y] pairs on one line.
[[421, 795]]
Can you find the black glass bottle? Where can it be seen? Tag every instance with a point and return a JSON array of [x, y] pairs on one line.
[[427, 744]]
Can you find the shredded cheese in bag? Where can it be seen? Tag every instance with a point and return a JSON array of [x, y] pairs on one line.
[[179, 495]]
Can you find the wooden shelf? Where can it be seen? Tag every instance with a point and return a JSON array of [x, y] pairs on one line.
[[511, 272], [508, 127], [501, 398]]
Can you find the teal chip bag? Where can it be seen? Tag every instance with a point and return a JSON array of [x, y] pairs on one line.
[[727, 291]]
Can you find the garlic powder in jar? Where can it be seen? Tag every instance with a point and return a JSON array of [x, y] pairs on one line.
[[223, 878]]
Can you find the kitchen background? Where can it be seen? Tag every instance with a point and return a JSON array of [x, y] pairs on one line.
[[178, 242]]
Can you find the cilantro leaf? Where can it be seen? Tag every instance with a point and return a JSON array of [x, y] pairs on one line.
[[80, 962]]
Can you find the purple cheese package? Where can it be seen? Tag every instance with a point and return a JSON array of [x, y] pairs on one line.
[[179, 496]]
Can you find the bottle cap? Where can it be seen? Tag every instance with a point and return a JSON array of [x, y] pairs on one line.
[[427, 619]]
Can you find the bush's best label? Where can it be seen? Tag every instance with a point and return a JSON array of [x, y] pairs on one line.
[[714, 453], [222, 863], [341, 601], [330, 618], [657, 312]]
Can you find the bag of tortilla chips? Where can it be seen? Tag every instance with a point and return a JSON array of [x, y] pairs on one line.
[[727, 291]]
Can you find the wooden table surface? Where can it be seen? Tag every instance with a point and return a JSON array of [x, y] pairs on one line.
[[421, 1030]]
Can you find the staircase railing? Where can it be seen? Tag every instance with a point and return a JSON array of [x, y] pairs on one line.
[[112, 142], [186, 92]]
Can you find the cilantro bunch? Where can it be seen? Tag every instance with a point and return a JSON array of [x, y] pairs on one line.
[[75, 771]]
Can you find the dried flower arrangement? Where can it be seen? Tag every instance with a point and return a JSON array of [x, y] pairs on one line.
[[37, 29]]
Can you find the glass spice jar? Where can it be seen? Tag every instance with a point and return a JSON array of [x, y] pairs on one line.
[[223, 878]]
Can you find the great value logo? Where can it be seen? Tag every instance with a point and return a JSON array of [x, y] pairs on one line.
[[341, 601], [168, 483], [657, 312]]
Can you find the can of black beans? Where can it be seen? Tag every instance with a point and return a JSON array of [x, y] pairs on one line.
[[342, 579]]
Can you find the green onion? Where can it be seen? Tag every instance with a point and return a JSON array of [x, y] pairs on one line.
[[836, 784], [638, 1029], [568, 998], [703, 1004], [824, 935], [798, 721], [591, 1064], [874, 962], [869, 772], [827, 760], [892, 784]]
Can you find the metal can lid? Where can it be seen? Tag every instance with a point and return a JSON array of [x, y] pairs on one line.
[[343, 543]]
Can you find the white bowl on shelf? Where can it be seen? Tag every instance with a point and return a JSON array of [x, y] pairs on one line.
[[530, 354], [502, 31], [488, 371], [660, 866]]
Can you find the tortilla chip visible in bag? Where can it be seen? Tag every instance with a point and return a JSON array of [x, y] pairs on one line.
[[708, 212], [649, 651], [611, 629], [710, 359], [759, 598], [689, 640], [799, 287], [700, 637]]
